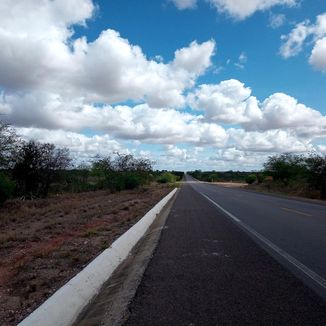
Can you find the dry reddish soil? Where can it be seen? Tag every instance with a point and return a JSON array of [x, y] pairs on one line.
[[231, 184], [296, 191], [45, 242]]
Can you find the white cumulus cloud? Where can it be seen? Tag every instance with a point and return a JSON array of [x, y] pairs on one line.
[[185, 4], [82, 147], [232, 102], [318, 55], [241, 9], [277, 20], [41, 54], [294, 42], [60, 88]]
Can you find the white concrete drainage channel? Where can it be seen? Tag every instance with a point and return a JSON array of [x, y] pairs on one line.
[[64, 306]]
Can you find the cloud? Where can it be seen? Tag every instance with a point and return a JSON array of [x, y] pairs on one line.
[[242, 60], [275, 141], [294, 42], [185, 4], [57, 87], [41, 55], [194, 59], [231, 102], [224, 102], [283, 111], [276, 20], [241, 9], [141, 122], [175, 152], [232, 157], [322, 149], [318, 55], [82, 147]]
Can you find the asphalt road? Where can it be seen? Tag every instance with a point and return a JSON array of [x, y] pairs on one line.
[[296, 227], [209, 269]]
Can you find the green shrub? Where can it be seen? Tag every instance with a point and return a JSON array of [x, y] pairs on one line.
[[166, 177], [132, 181], [250, 179], [260, 177], [7, 187]]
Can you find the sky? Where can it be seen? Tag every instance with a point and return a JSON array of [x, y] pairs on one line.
[[189, 84]]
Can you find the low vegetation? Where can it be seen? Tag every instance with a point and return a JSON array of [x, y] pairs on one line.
[[215, 176], [301, 175], [29, 169], [298, 174]]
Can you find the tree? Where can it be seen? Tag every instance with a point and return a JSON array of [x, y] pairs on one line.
[[8, 145], [286, 166], [123, 171], [317, 173], [166, 177], [251, 178], [37, 165], [7, 187]]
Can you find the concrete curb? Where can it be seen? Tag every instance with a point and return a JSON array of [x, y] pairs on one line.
[[64, 306]]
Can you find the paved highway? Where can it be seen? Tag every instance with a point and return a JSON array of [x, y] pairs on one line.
[[296, 227], [215, 263]]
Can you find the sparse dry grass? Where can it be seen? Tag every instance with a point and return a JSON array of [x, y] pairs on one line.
[[45, 242], [294, 189]]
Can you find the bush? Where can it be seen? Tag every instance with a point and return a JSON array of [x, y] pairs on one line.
[[131, 181], [36, 166], [251, 178], [7, 188], [166, 177], [121, 172], [260, 177], [286, 167]]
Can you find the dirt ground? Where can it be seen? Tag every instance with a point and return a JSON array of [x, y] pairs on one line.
[[231, 184], [299, 191], [45, 242]]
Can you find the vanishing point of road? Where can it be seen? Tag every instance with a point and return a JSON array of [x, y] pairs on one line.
[[234, 257]]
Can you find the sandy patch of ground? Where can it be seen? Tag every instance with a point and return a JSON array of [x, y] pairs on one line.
[[45, 242], [231, 184]]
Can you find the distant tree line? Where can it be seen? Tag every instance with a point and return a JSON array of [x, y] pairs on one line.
[[288, 170], [216, 176], [29, 169]]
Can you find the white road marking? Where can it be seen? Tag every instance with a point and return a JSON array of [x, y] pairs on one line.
[[295, 211], [222, 209], [303, 268]]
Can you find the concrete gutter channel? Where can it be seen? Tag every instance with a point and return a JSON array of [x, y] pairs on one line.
[[69, 304]]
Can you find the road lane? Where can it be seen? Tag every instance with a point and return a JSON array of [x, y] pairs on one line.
[[297, 227], [207, 271]]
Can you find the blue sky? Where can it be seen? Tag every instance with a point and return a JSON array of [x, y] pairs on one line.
[[190, 84], [160, 29]]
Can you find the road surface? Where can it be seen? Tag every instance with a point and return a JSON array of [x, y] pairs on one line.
[[215, 262], [294, 226]]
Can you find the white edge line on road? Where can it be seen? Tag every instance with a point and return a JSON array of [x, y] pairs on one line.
[[222, 209], [303, 268]]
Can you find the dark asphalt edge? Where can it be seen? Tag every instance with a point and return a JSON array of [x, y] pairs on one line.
[[289, 265]]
